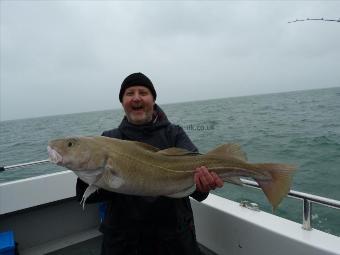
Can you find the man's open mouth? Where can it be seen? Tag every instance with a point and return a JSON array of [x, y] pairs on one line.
[[136, 108]]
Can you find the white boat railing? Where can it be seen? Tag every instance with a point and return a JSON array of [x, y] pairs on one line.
[[308, 199], [3, 168]]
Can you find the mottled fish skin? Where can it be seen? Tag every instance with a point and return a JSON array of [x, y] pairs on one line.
[[136, 168]]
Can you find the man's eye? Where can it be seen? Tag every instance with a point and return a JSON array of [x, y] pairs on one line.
[[144, 93]]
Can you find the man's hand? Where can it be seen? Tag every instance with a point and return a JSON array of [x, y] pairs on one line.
[[206, 181]]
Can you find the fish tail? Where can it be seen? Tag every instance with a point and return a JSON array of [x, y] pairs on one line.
[[277, 186]]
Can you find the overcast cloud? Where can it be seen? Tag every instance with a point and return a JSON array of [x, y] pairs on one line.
[[71, 56]]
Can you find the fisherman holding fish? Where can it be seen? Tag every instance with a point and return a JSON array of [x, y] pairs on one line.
[[145, 170], [147, 224]]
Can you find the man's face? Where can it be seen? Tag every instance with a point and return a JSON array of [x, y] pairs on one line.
[[138, 104]]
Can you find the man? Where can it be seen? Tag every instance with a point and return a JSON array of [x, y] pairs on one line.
[[149, 225]]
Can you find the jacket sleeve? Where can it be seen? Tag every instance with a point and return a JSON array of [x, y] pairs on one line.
[[100, 195], [183, 141]]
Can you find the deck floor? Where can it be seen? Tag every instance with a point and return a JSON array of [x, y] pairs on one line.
[[93, 246], [89, 247]]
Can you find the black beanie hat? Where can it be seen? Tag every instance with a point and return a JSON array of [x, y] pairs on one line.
[[136, 79]]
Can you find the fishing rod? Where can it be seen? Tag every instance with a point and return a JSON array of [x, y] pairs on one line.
[[314, 19], [4, 168]]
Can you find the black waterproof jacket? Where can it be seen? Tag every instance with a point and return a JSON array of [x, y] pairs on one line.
[[162, 214]]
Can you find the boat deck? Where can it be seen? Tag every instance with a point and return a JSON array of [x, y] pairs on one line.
[[93, 246], [89, 247]]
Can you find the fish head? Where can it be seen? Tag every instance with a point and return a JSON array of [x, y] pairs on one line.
[[75, 153]]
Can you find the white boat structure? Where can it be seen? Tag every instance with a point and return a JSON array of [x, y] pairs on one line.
[[46, 218]]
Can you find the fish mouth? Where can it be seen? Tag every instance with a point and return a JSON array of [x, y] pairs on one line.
[[54, 156]]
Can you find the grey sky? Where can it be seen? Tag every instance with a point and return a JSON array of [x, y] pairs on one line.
[[71, 56]]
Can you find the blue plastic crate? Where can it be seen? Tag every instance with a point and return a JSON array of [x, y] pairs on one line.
[[7, 245]]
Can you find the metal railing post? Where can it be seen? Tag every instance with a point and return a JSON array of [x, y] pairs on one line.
[[307, 213]]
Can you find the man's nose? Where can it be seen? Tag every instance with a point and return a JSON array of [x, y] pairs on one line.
[[136, 97]]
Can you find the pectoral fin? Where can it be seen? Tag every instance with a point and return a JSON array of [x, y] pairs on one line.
[[183, 193], [110, 177], [114, 182]]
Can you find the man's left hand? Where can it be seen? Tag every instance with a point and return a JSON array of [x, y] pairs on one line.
[[206, 181]]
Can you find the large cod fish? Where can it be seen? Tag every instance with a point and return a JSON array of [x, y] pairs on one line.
[[136, 168]]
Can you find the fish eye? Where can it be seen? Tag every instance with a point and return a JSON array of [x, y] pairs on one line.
[[70, 144]]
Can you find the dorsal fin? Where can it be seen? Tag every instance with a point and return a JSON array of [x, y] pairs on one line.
[[229, 150], [173, 151], [145, 146]]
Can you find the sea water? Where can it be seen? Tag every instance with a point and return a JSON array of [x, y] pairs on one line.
[[300, 128]]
